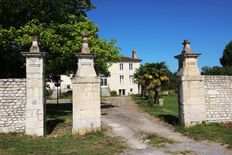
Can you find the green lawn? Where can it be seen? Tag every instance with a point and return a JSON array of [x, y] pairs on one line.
[[168, 113], [59, 139], [218, 132], [66, 95]]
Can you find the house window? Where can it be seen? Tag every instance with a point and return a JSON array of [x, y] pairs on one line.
[[121, 79], [121, 66], [131, 79], [68, 86], [103, 81], [130, 66], [131, 90]]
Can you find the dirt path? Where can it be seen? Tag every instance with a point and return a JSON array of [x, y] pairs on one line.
[[133, 125]]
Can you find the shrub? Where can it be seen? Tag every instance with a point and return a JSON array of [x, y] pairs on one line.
[[113, 93]]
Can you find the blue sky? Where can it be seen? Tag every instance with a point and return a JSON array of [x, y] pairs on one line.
[[157, 28]]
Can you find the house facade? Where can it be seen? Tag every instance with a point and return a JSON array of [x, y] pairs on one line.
[[65, 85], [121, 77]]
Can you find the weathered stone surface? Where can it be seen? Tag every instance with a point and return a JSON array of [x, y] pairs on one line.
[[86, 104], [12, 105], [218, 98], [190, 88], [35, 102], [86, 94]]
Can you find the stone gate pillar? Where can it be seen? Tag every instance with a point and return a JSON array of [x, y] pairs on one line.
[[86, 94], [35, 91], [191, 102]]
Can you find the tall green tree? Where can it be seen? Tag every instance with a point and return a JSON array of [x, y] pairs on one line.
[[217, 70], [60, 35], [151, 76], [15, 13], [226, 59], [226, 62]]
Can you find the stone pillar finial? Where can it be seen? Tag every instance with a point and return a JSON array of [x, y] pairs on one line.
[[34, 47], [85, 45], [186, 49]]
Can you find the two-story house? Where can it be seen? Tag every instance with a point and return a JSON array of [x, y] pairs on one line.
[[121, 77]]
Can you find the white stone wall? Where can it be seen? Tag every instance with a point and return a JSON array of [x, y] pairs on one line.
[[12, 105], [218, 98], [114, 79]]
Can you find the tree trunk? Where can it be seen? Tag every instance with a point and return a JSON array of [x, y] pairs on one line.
[[142, 91], [157, 90], [156, 97]]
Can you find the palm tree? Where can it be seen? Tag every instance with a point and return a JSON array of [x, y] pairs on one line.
[[151, 76]]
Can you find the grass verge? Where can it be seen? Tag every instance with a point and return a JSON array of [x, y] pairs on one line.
[[213, 131], [66, 95], [218, 132], [59, 139], [94, 144], [168, 113], [158, 141]]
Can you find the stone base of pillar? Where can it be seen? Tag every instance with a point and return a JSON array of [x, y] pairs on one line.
[[86, 105], [192, 105]]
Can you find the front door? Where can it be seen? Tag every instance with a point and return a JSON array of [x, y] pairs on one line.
[[122, 92]]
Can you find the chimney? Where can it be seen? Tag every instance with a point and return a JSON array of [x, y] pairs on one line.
[[133, 54]]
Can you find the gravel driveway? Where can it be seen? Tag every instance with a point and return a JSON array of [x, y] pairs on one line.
[[130, 123]]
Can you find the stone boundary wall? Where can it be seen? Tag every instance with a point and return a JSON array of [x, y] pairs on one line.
[[12, 105], [218, 98]]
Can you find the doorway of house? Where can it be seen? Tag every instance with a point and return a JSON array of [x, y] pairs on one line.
[[122, 92]]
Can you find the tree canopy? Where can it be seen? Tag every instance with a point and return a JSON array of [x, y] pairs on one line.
[[59, 26], [226, 62], [15, 13], [216, 70], [226, 59], [151, 76]]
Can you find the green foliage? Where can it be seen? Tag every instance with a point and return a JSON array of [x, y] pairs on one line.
[[171, 84], [10, 57], [113, 93], [226, 59], [15, 13], [60, 39], [217, 70], [151, 76]]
